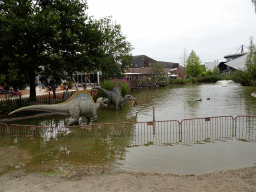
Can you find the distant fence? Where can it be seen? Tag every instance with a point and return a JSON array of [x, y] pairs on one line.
[[40, 99], [188, 131]]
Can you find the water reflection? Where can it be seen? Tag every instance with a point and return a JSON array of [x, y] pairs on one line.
[[193, 97], [110, 143], [157, 142]]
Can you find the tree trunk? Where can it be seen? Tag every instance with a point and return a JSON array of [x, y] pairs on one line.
[[32, 76]]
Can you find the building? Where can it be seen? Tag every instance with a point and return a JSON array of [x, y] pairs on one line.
[[178, 72], [235, 64], [233, 56], [210, 66], [140, 61], [140, 65]]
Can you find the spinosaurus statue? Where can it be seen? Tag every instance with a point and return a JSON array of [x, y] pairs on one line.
[[115, 97], [80, 104]]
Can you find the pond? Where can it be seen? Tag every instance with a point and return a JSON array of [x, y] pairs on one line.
[[155, 147]]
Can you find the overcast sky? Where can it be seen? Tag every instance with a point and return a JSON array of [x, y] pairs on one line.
[[163, 29]]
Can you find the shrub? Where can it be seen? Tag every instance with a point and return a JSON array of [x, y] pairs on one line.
[[211, 79], [176, 82], [225, 77], [109, 84], [192, 80], [242, 77]]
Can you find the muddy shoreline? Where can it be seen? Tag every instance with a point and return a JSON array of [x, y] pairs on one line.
[[230, 180], [16, 174]]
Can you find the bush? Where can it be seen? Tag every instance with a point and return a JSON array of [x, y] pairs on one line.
[[242, 77], [192, 80], [177, 82], [225, 77], [109, 84], [211, 79]]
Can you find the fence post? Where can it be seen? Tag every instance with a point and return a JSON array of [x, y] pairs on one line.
[[180, 131], [234, 127], [153, 113]]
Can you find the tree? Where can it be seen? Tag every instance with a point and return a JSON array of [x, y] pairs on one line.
[[157, 68], [193, 67], [216, 70], [254, 1], [251, 60], [116, 49], [52, 34]]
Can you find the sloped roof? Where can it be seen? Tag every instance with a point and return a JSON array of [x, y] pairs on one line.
[[210, 65], [238, 63]]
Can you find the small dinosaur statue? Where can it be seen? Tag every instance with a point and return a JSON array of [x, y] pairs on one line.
[[80, 104], [115, 97]]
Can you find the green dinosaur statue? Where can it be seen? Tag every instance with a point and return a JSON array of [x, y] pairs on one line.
[[115, 97], [80, 104]]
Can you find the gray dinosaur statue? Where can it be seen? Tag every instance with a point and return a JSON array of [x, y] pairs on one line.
[[115, 97], [80, 104]]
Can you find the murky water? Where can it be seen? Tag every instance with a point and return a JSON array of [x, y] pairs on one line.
[[156, 148]]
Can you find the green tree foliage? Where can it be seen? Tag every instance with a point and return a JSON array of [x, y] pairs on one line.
[[216, 70], [2, 78], [193, 67], [156, 67], [251, 60], [242, 77], [116, 49], [53, 34], [15, 78], [247, 77]]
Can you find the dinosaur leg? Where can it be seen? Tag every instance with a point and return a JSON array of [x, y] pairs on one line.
[[72, 122], [74, 112], [94, 115]]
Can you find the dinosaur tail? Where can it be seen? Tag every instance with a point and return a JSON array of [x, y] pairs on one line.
[[56, 108], [106, 92]]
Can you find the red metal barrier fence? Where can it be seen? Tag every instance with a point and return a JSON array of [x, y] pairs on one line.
[[155, 132], [206, 129], [188, 131], [245, 128]]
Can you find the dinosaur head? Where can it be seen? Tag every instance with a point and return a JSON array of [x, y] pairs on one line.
[[131, 99], [102, 101]]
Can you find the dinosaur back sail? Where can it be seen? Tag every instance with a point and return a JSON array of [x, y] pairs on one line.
[[117, 90], [80, 94]]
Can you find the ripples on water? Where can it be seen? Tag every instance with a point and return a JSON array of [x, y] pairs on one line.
[[181, 102], [175, 103]]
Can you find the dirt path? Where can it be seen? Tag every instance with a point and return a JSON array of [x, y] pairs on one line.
[[233, 180]]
